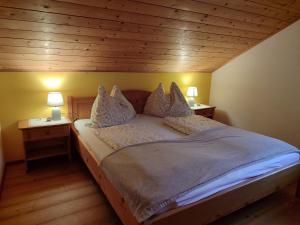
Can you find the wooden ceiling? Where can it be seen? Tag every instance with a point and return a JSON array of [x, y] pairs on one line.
[[135, 35]]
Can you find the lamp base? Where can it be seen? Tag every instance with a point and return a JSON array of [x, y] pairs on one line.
[[191, 101], [56, 114]]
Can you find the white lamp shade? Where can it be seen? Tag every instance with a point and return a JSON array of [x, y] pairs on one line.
[[55, 99], [192, 92]]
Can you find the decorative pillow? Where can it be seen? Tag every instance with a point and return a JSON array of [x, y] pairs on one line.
[[157, 103], [127, 109], [178, 104], [191, 124], [108, 110]]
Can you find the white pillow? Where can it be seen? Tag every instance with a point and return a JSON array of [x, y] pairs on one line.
[[157, 103], [110, 110], [127, 109], [191, 124], [178, 104]]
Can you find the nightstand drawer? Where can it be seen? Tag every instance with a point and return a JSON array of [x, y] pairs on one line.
[[207, 112], [204, 112], [45, 133]]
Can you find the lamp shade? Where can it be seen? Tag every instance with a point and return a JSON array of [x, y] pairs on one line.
[[192, 92], [55, 99]]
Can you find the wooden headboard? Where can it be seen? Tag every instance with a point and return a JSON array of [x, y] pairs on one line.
[[80, 107]]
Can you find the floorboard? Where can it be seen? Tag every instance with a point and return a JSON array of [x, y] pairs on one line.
[[65, 193]]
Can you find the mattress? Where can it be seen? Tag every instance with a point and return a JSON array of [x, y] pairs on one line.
[[100, 150]]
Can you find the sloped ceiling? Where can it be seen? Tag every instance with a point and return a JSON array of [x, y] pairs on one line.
[[135, 35]]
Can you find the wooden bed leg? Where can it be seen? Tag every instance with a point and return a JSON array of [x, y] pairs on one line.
[[298, 190]]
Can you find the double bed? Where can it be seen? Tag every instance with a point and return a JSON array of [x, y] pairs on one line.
[[203, 204]]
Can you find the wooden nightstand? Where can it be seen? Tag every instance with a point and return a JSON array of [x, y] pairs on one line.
[[45, 139], [204, 110]]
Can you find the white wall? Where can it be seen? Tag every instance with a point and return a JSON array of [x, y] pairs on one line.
[[1, 159], [260, 89]]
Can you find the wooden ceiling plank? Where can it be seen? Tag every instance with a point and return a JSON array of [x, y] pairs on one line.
[[64, 29], [87, 64], [107, 68], [122, 16], [33, 16], [36, 46], [46, 57], [101, 69], [128, 56], [108, 53], [293, 6], [30, 62], [90, 47], [87, 42], [158, 11], [141, 67], [255, 8], [220, 11]]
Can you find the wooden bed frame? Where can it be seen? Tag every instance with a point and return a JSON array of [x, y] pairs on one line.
[[199, 213]]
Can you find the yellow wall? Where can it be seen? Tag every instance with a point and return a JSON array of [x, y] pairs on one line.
[[23, 95]]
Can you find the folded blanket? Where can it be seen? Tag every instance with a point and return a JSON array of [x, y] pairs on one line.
[[121, 136], [151, 176], [191, 124]]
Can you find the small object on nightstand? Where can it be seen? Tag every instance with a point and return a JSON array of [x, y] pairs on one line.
[[44, 139], [204, 110]]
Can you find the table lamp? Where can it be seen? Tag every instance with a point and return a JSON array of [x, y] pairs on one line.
[[55, 100], [192, 92]]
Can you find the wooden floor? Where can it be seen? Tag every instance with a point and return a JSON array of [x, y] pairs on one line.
[[64, 193]]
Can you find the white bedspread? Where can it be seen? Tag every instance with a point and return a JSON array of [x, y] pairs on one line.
[[100, 150]]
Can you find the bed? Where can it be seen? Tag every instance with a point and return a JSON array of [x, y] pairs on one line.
[[205, 205]]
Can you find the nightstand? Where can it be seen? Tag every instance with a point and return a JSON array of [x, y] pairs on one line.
[[204, 110], [44, 139]]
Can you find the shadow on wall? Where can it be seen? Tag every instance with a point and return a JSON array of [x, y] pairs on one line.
[[12, 141], [222, 117]]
